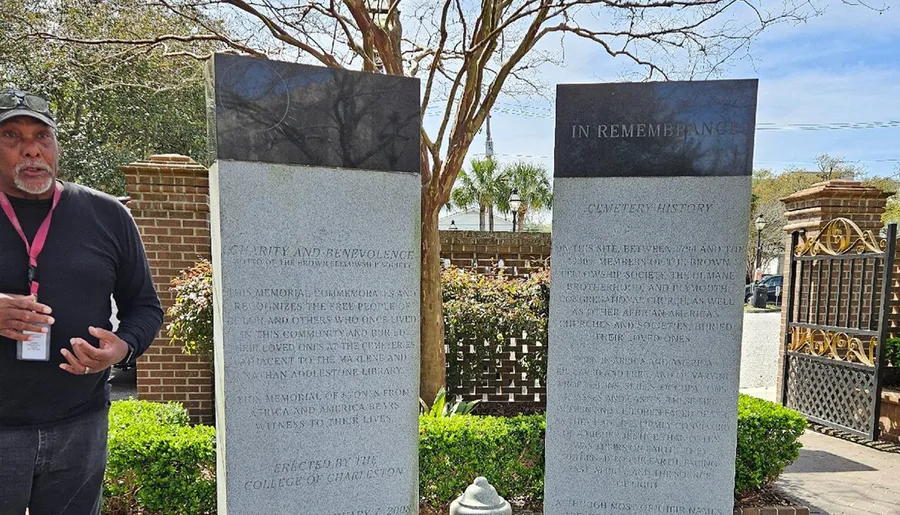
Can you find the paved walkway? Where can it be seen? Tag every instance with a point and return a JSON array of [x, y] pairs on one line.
[[834, 475], [123, 384], [759, 350], [837, 475]]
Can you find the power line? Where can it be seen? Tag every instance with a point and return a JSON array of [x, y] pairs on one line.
[[513, 155], [544, 108], [546, 112], [887, 124], [522, 112], [540, 112], [755, 162], [848, 161]]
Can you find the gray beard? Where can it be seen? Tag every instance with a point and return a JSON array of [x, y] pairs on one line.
[[33, 189]]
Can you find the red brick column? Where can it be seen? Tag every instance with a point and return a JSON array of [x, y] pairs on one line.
[[170, 203], [811, 209]]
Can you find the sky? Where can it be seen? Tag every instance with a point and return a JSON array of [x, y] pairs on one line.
[[839, 68]]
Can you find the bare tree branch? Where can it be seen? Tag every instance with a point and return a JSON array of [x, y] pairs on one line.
[[141, 42], [280, 34]]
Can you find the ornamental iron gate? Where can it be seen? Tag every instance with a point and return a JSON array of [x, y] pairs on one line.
[[837, 305]]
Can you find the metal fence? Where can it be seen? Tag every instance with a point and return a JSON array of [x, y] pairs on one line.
[[837, 307]]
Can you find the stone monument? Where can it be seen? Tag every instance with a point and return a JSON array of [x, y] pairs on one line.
[[650, 220], [316, 241]]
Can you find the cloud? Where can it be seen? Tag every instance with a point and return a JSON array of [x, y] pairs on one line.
[[843, 66], [840, 67]]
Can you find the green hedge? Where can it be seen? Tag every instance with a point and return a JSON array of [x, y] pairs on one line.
[[510, 452], [158, 463], [481, 308], [892, 351], [191, 314], [767, 442], [453, 451]]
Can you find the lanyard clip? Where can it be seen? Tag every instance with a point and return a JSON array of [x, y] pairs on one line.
[[32, 270]]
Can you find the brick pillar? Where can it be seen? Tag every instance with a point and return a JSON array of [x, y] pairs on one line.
[[811, 209], [170, 204]]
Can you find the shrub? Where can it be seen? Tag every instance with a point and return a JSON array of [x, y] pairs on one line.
[[442, 408], [123, 414], [767, 442], [892, 351], [485, 312], [158, 463], [477, 309], [191, 314], [453, 451], [891, 357]]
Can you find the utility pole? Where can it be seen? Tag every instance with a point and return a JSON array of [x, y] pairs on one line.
[[488, 142]]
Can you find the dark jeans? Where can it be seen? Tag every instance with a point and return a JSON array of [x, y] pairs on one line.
[[54, 471]]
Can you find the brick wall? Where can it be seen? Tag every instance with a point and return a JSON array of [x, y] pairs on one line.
[[521, 252], [809, 211], [170, 204]]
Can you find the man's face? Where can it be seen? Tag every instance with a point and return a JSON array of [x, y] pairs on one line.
[[28, 158]]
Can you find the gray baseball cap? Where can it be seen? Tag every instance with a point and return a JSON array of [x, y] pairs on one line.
[[14, 103]]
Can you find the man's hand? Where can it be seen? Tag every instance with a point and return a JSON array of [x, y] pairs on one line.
[[88, 359], [19, 313]]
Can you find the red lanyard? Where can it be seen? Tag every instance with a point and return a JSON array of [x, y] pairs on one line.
[[34, 249]]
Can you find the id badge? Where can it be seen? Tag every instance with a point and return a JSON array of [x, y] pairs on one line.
[[38, 349]]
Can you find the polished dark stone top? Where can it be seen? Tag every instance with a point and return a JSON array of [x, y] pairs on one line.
[[655, 129], [276, 112]]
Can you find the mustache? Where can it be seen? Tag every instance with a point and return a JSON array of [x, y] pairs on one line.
[[27, 164]]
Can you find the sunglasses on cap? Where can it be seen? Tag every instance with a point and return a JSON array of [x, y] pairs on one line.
[[13, 99], [15, 103]]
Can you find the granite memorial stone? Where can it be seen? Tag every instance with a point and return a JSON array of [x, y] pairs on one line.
[[315, 224], [651, 209]]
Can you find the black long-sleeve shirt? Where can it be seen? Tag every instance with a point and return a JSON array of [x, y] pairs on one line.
[[93, 250]]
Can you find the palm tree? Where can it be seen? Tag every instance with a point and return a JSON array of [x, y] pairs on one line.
[[483, 185], [533, 184]]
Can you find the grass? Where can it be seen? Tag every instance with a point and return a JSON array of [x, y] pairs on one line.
[[771, 307]]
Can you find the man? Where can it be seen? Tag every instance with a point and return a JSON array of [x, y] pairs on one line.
[[64, 250]]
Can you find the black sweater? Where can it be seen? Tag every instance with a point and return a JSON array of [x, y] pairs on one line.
[[93, 250]]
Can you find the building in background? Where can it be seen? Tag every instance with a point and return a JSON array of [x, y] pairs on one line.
[[468, 220]]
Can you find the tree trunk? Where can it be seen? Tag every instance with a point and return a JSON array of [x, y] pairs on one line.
[[481, 220], [491, 219], [432, 370], [521, 220]]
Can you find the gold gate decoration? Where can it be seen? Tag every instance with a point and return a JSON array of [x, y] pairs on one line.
[[840, 236], [833, 344]]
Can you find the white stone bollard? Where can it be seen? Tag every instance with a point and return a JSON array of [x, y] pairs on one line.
[[480, 498]]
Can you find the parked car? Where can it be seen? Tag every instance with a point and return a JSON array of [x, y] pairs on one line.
[[774, 285]]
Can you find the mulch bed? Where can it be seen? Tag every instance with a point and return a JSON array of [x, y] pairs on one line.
[[766, 496]]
